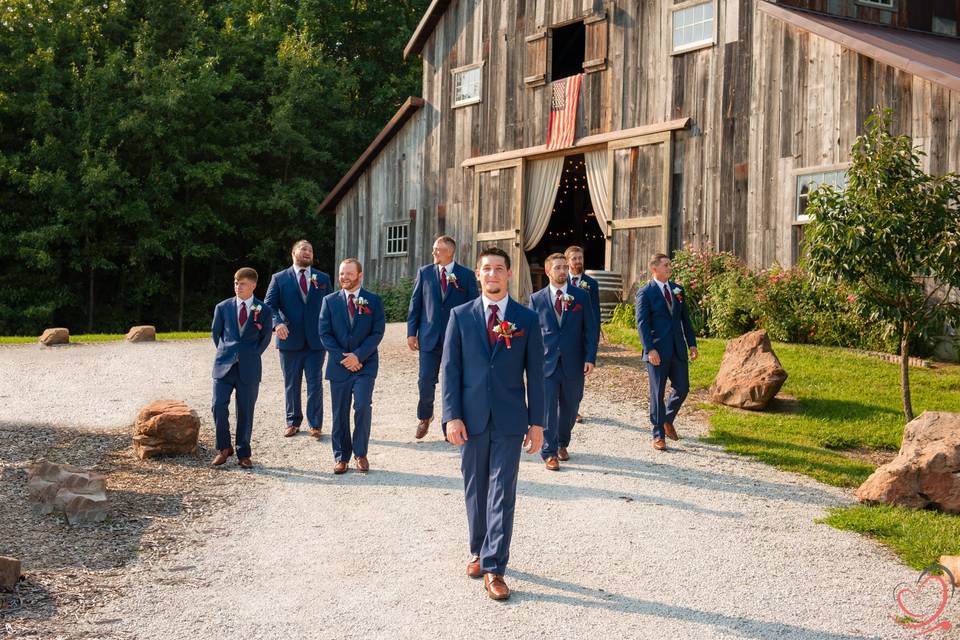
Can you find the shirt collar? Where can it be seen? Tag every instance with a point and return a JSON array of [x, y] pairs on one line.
[[501, 303], [553, 290], [448, 267], [249, 301], [355, 292], [296, 269], [660, 284]]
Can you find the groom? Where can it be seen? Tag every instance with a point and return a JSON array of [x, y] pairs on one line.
[[666, 333], [489, 345]]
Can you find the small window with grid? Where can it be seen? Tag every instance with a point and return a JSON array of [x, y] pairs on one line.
[[883, 4], [693, 27], [467, 83], [397, 237], [807, 183]]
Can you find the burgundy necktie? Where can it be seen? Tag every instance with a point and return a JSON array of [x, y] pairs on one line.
[[574, 280], [303, 281], [243, 314], [491, 323], [558, 305], [666, 294], [443, 280], [351, 307]]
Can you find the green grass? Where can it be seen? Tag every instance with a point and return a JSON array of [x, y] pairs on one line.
[[108, 337], [833, 401]]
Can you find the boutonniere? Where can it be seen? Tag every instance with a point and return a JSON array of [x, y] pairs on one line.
[[255, 308], [678, 294], [506, 331], [362, 305], [314, 282], [583, 285], [453, 281], [566, 299]]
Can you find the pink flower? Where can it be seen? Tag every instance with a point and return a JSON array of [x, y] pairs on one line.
[[851, 298]]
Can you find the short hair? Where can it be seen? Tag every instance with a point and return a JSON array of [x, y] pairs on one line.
[[246, 273], [572, 249], [352, 261], [447, 240], [300, 243], [494, 251], [552, 257], [656, 258]]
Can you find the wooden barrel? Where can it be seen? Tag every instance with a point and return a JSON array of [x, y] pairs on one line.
[[611, 291]]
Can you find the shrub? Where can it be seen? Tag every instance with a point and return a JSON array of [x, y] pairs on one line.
[[731, 301], [396, 299], [624, 315], [696, 270]]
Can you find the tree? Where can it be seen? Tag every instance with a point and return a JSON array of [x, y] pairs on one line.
[[892, 235]]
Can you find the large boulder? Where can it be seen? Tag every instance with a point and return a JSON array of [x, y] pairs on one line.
[[80, 495], [750, 374], [926, 473], [952, 563], [165, 427], [145, 333], [58, 335]]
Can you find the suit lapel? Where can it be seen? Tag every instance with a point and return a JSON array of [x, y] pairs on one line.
[[236, 320], [480, 315], [507, 317], [552, 311]]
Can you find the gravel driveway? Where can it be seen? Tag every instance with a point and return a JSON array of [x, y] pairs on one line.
[[622, 542]]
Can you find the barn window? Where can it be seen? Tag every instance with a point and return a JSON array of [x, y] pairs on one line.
[[944, 26], [883, 4], [807, 183], [397, 236], [693, 27], [467, 83], [569, 44]]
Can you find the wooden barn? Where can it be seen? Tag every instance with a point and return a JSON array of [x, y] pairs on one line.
[[701, 122]]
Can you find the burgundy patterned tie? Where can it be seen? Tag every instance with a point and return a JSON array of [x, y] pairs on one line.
[[303, 281], [666, 294], [243, 314], [351, 307], [443, 280], [558, 305], [491, 323]]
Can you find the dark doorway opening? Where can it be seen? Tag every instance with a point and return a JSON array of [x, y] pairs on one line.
[[569, 43], [572, 222]]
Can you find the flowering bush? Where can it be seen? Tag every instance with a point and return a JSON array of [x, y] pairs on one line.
[[696, 270]]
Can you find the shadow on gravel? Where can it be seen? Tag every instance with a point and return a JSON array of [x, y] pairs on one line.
[[578, 596]]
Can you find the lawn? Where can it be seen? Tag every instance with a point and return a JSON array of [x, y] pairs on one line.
[[835, 407], [108, 337]]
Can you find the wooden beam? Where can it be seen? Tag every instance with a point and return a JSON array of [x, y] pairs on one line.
[[636, 223]]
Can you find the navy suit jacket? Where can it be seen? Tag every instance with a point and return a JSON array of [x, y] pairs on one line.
[[430, 310], [669, 333], [594, 292], [360, 339], [573, 342], [480, 381], [286, 303], [240, 346]]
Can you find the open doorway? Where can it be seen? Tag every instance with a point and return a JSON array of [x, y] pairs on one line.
[[572, 222]]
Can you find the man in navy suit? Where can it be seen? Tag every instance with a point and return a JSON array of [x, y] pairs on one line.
[[666, 333], [294, 297], [439, 287], [241, 331], [489, 345], [570, 336], [352, 323], [582, 281]]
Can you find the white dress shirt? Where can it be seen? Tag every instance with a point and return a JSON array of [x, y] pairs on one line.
[[248, 302], [502, 304]]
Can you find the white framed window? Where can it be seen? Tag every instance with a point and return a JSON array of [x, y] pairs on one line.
[[882, 4], [398, 235], [693, 26], [944, 26], [467, 84], [808, 182]]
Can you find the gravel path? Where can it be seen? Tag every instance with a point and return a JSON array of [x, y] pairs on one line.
[[623, 542]]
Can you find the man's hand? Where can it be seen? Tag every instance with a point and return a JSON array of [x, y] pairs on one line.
[[282, 331], [456, 432], [694, 354], [413, 343], [533, 442], [654, 358], [587, 368], [351, 362]]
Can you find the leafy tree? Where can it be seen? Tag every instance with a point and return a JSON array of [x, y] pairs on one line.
[[892, 235]]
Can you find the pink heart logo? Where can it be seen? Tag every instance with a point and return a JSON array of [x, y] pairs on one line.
[[912, 602]]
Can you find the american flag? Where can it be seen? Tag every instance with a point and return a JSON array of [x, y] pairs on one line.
[[563, 112]]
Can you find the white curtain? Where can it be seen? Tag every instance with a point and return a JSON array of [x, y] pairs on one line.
[[596, 162], [543, 180]]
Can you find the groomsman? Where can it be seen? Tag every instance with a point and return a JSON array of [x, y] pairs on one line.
[[570, 336], [241, 332], [352, 323], [582, 281], [666, 333], [439, 287], [489, 345], [294, 296]]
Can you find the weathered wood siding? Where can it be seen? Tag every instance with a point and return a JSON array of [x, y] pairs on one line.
[[906, 14]]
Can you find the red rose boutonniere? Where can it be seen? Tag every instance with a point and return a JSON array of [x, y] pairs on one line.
[[453, 281], [362, 305], [314, 282], [256, 315], [506, 331], [678, 294]]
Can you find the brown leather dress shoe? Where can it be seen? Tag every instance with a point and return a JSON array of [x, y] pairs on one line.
[[245, 463], [473, 568], [222, 456], [552, 463], [563, 454], [670, 431], [363, 465], [315, 433], [422, 427], [291, 431], [579, 418], [497, 589], [340, 467], [660, 444]]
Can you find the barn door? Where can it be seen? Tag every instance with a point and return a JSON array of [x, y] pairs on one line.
[[638, 181], [497, 211]]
